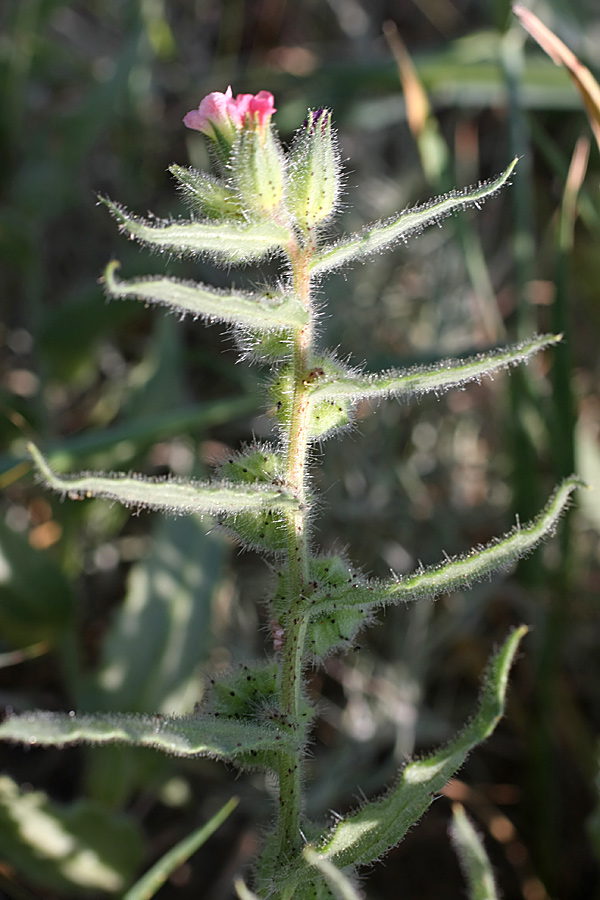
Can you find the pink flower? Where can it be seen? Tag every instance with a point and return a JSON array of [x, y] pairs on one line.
[[248, 109], [220, 114], [212, 113]]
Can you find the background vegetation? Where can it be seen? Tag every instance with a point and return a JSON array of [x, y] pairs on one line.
[[93, 94]]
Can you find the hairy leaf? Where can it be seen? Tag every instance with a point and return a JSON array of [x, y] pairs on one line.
[[264, 312], [331, 627], [456, 572], [218, 738], [265, 345], [381, 234], [229, 241], [419, 380], [178, 497], [265, 531], [315, 889], [251, 692], [364, 836], [327, 414], [208, 195]]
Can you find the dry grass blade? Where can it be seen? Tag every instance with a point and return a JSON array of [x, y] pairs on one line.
[[418, 109], [585, 82], [575, 177]]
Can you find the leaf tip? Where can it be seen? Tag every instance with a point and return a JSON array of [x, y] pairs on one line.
[[35, 454], [520, 632], [108, 276]]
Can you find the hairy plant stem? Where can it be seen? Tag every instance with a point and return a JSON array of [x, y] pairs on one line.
[[294, 625]]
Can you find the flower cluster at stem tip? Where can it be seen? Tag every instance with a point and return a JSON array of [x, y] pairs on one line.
[[244, 146], [222, 114], [303, 183]]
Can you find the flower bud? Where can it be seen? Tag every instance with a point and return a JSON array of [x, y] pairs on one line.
[[258, 168], [315, 171]]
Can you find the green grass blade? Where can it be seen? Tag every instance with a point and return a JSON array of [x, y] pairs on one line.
[[265, 313], [473, 859], [152, 881], [170, 495], [382, 234], [243, 892], [121, 442], [341, 888]]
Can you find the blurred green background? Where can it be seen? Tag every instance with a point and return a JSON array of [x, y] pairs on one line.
[[101, 610]]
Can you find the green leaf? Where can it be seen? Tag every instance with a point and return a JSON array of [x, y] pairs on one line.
[[381, 234], [153, 880], [122, 442], [226, 241], [264, 312], [265, 346], [250, 692], [178, 497], [364, 836], [473, 858], [263, 531], [315, 889], [326, 414], [333, 625], [217, 738], [211, 197], [419, 380], [70, 849], [351, 593], [161, 632], [36, 600]]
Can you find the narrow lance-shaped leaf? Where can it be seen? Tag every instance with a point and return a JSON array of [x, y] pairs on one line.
[[456, 572], [236, 242], [263, 312], [473, 858], [381, 234], [178, 497], [210, 196], [153, 880], [438, 377], [217, 738], [366, 835]]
